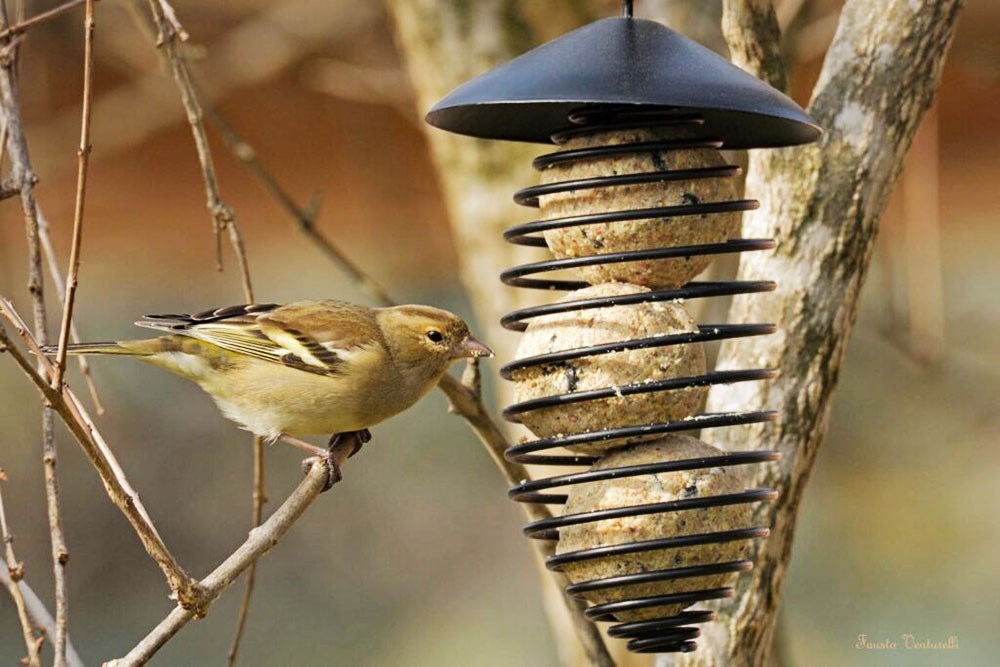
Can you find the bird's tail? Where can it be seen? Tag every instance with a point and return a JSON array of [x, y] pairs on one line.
[[129, 348]]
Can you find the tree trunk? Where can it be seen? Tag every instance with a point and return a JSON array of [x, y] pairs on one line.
[[822, 203]]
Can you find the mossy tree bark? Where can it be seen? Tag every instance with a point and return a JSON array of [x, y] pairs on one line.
[[822, 203]]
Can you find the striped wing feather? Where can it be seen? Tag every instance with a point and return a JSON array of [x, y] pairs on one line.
[[304, 335]]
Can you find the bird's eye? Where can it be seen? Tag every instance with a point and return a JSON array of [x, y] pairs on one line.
[[435, 336]]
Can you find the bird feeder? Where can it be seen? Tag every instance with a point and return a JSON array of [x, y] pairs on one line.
[[637, 200]]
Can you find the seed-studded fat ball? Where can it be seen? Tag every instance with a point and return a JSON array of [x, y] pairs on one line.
[[647, 489], [584, 328], [643, 234]]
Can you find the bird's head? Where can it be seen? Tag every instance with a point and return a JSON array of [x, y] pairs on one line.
[[422, 334]]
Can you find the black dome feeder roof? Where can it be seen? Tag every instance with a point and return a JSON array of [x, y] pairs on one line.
[[615, 62]]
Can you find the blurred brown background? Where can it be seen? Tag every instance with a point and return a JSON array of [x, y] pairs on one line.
[[417, 557]]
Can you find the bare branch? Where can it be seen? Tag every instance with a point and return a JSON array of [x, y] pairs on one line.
[[7, 188], [41, 617], [22, 174], [72, 413], [4, 133], [83, 155], [15, 571], [171, 18], [467, 403], [281, 34], [60, 554], [21, 27], [256, 515], [223, 216], [52, 263], [304, 217], [258, 543]]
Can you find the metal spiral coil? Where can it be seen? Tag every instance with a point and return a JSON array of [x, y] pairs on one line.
[[669, 633]]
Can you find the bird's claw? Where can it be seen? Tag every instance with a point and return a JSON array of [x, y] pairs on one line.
[[333, 474]]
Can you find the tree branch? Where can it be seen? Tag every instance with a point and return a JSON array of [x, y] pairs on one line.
[[40, 616], [261, 540], [55, 274], [22, 26], [823, 203], [169, 31], [22, 174], [59, 552], [223, 216], [304, 217], [256, 515], [83, 155], [15, 572], [72, 413]]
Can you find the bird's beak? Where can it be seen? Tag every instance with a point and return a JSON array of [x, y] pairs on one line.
[[470, 347]]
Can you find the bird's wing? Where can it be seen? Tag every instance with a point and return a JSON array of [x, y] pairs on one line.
[[314, 336]]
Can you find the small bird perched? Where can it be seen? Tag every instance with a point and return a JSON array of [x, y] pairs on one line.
[[305, 368]]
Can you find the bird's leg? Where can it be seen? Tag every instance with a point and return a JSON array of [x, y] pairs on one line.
[[360, 439], [333, 453], [304, 446]]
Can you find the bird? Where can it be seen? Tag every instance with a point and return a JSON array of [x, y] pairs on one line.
[[307, 367]]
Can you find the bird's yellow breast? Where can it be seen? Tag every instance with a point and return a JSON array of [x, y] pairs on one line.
[[270, 399]]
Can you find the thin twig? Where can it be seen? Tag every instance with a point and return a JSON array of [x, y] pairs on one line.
[[15, 569], [239, 248], [223, 216], [83, 158], [465, 398], [41, 617], [256, 516], [55, 273], [19, 28], [73, 415], [258, 543], [22, 174], [304, 217], [59, 552], [169, 30], [284, 33]]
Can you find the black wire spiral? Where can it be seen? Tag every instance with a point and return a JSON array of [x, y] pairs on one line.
[[670, 633]]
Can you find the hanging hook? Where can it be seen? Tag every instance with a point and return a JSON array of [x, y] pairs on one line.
[[627, 8]]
